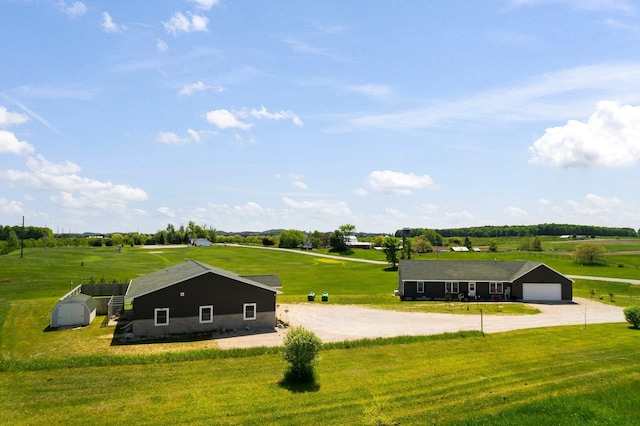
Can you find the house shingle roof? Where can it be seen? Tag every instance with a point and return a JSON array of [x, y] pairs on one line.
[[452, 270], [182, 271]]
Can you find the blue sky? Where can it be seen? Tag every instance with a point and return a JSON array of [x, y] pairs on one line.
[[253, 115]]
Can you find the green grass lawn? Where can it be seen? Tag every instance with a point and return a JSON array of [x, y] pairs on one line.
[[563, 375], [560, 376]]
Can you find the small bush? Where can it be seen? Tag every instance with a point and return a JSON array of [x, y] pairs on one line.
[[301, 348], [632, 315]]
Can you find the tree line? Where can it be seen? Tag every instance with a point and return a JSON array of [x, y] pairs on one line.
[[551, 229]]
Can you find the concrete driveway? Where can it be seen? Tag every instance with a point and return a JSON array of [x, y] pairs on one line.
[[333, 323]]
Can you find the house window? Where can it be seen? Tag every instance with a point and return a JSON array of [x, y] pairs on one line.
[[249, 311], [161, 316], [206, 314], [420, 288], [452, 287], [495, 288]]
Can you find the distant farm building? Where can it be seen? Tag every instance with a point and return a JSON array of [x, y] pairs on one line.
[[200, 242], [460, 249], [352, 241]]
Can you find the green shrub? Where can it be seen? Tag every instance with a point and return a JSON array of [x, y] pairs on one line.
[[301, 348], [632, 315]]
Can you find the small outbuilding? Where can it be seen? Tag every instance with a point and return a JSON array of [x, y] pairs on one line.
[[201, 242], [73, 310]]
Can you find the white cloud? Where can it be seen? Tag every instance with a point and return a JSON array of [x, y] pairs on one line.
[[361, 192], [544, 201], [397, 183], [376, 91], [554, 96], [8, 118], [109, 25], [75, 190], [162, 45], [170, 138], [74, 11], [595, 205], [10, 206], [587, 5], [189, 89], [166, 211], [609, 138], [9, 144], [263, 113], [224, 119], [428, 208], [462, 218], [300, 184], [194, 135], [181, 23], [515, 212], [205, 4], [320, 207]]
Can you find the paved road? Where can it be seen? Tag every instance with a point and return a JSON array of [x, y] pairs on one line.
[[615, 280], [332, 323]]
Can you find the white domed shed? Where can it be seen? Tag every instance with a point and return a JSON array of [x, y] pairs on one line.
[[73, 310]]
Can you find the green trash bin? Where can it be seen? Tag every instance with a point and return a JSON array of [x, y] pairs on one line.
[[311, 297], [325, 297]]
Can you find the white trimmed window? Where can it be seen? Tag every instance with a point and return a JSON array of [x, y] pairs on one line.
[[161, 317], [452, 287], [249, 311], [206, 314], [420, 287], [495, 288]]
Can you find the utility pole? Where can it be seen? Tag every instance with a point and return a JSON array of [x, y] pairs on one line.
[[22, 239]]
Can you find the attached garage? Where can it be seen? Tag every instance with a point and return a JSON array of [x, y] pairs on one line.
[[542, 291], [73, 311]]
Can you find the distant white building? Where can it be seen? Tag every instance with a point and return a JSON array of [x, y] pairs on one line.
[[352, 241], [460, 249], [200, 242]]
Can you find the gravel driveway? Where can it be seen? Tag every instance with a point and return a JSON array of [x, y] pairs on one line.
[[332, 323]]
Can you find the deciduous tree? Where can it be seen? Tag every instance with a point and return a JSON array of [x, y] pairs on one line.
[[292, 238], [589, 254], [391, 247]]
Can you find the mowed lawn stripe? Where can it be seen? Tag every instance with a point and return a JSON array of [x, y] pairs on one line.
[[449, 381]]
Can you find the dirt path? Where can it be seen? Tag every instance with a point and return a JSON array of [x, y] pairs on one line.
[[333, 323]]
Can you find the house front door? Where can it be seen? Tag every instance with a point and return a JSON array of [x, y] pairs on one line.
[[472, 289]]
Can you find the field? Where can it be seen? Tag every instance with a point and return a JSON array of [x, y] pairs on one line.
[[77, 376]]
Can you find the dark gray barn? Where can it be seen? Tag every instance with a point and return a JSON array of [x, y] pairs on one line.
[[192, 297]]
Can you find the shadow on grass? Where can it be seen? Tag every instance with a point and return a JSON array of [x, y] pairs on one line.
[[391, 269], [299, 387]]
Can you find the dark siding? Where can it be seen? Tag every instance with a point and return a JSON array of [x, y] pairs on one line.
[[225, 294], [543, 274]]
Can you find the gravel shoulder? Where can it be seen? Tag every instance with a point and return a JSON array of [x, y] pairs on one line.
[[334, 323]]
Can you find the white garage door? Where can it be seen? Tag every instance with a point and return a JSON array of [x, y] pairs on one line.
[[70, 314], [546, 291]]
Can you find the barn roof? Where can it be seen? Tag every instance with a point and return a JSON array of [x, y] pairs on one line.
[[80, 298], [452, 270], [270, 280], [181, 272]]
